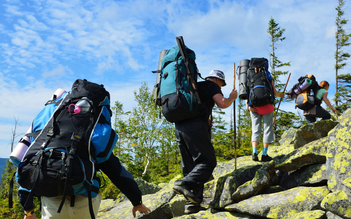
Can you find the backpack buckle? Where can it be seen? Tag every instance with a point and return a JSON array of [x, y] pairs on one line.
[[75, 137]]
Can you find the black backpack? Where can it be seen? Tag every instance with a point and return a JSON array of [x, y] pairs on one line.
[[304, 92], [72, 135], [260, 90]]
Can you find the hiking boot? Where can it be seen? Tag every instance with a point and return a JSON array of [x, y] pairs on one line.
[[185, 191], [254, 157], [266, 158]]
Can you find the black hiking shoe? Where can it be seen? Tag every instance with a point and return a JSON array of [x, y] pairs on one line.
[[266, 158], [254, 157], [185, 191]]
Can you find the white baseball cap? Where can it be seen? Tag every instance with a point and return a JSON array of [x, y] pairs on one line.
[[216, 74]]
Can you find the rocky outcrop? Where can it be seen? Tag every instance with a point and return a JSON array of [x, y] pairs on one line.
[[310, 177], [312, 132]]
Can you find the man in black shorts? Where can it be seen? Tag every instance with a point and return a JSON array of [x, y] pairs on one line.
[[194, 140]]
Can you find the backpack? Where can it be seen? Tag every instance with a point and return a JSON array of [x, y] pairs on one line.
[[178, 84], [71, 135], [260, 90], [304, 92]]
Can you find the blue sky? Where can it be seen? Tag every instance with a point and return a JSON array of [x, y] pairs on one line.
[[47, 44]]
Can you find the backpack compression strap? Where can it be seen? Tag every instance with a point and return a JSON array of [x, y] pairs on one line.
[[76, 142], [11, 191], [176, 79]]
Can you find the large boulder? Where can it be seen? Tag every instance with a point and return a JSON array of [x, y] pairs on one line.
[[315, 214], [218, 192], [163, 204], [338, 203], [262, 180], [309, 177], [339, 154], [280, 204], [311, 153], [312, 132], [145, 188], [288, 136]]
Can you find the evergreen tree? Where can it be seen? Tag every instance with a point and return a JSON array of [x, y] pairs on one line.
[[342, 40], [221, 137], [284, 120], [244, 147], [344, 92], [6, 177], [276, 34]]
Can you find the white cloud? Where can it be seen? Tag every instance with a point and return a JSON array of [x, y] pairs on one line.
[[58, 72], [13, 9]]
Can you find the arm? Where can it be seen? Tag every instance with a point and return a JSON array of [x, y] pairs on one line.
[[276, 93], [29, 207], [223, 102], [124, 181], [326, 100], [26, 200]]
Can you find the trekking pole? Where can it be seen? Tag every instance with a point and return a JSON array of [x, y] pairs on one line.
[[281, 99], [234, 117]]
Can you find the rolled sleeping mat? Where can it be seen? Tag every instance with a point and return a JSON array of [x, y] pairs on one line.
[[303, 86], [20, 149], [24, 143], [244, 65]]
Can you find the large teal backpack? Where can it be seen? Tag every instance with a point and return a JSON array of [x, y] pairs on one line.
[[177, 86]]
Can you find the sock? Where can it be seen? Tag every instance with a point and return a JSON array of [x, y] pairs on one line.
[[264, 151], [254, 150]]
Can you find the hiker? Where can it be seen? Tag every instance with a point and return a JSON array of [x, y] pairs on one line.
[[318, 111], [120, 177], [194, 140], [85, 109], [259, 115]]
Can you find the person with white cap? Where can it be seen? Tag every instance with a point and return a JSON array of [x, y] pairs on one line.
[[194, 140]]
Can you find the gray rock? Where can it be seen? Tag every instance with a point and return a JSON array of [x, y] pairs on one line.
[[331, 215], [278, 205], [339, 155], [305, 176], [288, 136], [338, 203], [311, 153], [261, 181], [312, 132], [218, 192], [316, 214]]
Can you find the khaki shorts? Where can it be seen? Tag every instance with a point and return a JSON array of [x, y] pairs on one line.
[[49, 206]]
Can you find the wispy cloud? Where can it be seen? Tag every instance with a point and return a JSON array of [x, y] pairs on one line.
[[45, 45]]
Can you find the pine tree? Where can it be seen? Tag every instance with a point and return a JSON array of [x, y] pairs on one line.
[[221, 136], [342, 40], [284, 120], [276, 35], [6, 178], [244, 147]]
